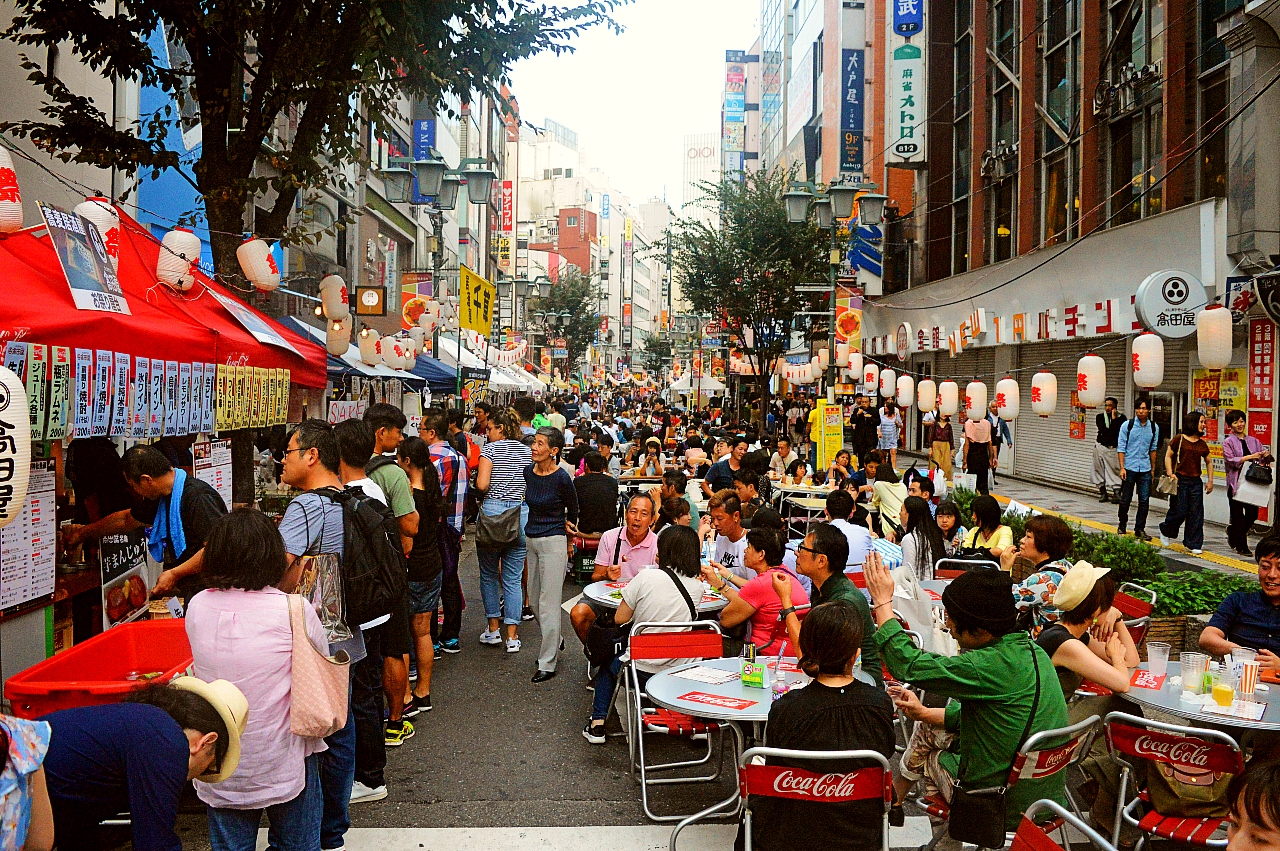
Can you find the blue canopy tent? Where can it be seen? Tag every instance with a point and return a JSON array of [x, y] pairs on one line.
[[439, 378]]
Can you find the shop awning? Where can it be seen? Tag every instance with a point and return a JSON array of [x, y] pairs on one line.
[[440, 378]]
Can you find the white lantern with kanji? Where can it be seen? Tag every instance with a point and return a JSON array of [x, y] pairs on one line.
[[975, 400], [179, 253], [418, 335], [15, 449], [948, 398], [1148, 360], [258, 265], [855, 362], [1044, 393], [1091, 380], [334, 298], [337, 336], [10, 199], [888, 382], [906, 391], [368, 343], [1008, 398], [928, 393], [1213, 337], [103, 214]]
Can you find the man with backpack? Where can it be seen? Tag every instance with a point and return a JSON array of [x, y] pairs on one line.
[[1136, 443], [316, 523]]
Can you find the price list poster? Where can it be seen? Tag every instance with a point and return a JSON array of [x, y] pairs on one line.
[[28, 550]]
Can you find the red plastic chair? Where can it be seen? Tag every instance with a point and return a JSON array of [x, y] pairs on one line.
[[1192, 750], [960, 566], [685, 640], [1137, 612], [1031, 836], [798, 784], [1036, 760]]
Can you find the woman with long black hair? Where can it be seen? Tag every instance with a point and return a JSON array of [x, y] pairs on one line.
[[923, 544]]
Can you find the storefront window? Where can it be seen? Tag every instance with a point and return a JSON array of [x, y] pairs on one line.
[[1004, 225], [1059, 125], [1214, 93]]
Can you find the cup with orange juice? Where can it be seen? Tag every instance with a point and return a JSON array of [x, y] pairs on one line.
[[1224, 687]]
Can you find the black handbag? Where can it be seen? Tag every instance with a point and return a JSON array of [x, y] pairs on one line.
[[1258, 474], [605, 639], [499, 531], [978, 816]]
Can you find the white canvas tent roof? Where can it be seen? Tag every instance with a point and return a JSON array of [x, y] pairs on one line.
[[706, 384]]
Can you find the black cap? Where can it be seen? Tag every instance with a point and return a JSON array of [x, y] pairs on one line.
[[983, 596]]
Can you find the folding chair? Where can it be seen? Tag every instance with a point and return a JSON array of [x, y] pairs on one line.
[[1136, 604], [960, 567], [1192, 750], [1036, 760], [584, 552], [1031, 837], [696, 640], [798, 784]]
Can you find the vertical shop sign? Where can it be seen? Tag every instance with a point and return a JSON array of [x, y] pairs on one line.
[[906, 105], [155, 400], [171, 379], [60, 387], [103, 365], [37, 387], [82, 422], [908, 17], [141, 396], [120, 396], [851, 111], [210, 373]]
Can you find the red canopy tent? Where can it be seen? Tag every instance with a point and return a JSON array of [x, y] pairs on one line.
[[193, 326]]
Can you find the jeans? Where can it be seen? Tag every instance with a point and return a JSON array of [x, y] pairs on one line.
[[500, 572], [1141, 481], [366, 706], [337, 771], [1242, 517], [451, 588], [1187, 506], [548, 558], [606, 682], [292, 826]]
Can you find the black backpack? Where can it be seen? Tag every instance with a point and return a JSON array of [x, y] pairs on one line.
[[374, 568]]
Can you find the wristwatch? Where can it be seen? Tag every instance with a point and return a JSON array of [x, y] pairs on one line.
[[789, 610]]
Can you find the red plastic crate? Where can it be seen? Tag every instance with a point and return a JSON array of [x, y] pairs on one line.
[[93, 672]]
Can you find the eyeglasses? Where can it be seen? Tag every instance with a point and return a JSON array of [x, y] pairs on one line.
[[299, 449], [808, 549]]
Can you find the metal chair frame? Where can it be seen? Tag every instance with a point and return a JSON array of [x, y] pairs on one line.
[[1030, 837], [965, 566], [745, 766]]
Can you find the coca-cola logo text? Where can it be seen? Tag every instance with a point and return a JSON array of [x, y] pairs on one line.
[[1184, 752], [834, 786]]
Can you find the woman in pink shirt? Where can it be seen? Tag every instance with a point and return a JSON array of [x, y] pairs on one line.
[[755, 598], [239, 631]]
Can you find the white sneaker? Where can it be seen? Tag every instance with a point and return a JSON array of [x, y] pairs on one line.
[[513, 645], [488, 637], [361, 793], [1197, 552], [1164, 541]]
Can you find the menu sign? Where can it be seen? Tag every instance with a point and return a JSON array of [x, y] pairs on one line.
[[82, 422], [213, 465], [123, 560], [28, 550], [60, 387]]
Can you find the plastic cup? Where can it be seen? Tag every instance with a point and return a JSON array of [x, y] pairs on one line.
[[1239, 656], [1193, 668], [1248, 676], [1158, 657], [1224, 688]]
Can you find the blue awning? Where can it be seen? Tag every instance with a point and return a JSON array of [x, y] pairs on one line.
[[440, 378]]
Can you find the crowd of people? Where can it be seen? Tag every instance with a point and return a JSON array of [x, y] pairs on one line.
[[358, 584]]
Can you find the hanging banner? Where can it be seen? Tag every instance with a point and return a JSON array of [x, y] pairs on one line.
[[15, 360], [475, 306], [84, 260], [220, 399], [60, 394], [171, 383], [851, 110], [119, 426], [197, 398], [103, 366], [210, 374], [155, 402], [37, 387], [1262, 363], [252, 322], [82, 423], [141, 396], [184, 398]]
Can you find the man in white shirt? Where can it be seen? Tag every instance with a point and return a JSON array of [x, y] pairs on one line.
[[724, 514], [782, 458]]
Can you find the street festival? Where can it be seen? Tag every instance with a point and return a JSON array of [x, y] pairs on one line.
[[920, 355]]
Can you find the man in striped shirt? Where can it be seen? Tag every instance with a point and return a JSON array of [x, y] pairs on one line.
[[452, 469]]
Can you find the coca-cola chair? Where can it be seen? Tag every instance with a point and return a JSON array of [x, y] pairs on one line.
[[1136, 603], [1038, 758], [1031, 836], [954, 568], [1191, 750], [798, 784], [584, 557], [684, 640]]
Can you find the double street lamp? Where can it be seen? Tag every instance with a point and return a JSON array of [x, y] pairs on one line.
[[437, 180], [830, 206]]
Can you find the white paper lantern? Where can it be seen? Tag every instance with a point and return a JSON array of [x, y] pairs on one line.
[[1091, 380], [1044, 393], [1148, 360], [906, 391], [258, 265], [975, 400], [870, 375], [1213, 337], [824, 357], [337, 336], [179, 253], [855, 362], [418, 336], [333, 297], [10, 202], [1008, 398], [842, 354], [15, 449], [103, 214], [928, 393], [948, 398], [888, 382], [368, 343]]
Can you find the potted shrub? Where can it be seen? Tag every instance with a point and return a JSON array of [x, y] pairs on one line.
[[1183, 593]]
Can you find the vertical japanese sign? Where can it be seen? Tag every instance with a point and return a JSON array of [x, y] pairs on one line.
[[210, 372], [475, 307], [120, 396], [851, 110], [1260, 396], [628, 247], [82, 421], [908, 17], [734, 130], [155, 400], [103, 365], [37, 384], [424, 139], [182, 421], [60, 387], [506, 256], [170, 398], [141, 398], [906, 106]]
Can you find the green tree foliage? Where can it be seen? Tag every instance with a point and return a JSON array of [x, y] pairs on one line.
[[574, 294], [745, 269], [655, 353], [255, 65]]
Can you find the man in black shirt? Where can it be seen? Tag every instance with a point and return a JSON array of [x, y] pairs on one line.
[[597, 497], [154, 479], [1106, 461], [865, 421]]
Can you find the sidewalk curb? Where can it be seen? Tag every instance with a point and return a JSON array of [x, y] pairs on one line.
[[1223, 561]]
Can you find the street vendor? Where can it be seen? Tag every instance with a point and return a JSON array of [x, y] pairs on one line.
[[178, 509]]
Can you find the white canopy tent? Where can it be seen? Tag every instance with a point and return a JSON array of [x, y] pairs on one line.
[[706, 384]]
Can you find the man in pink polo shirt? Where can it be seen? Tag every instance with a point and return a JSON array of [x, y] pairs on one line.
[[623, 553]]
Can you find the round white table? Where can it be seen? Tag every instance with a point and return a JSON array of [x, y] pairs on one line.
[[608, 593], [934, 588], [1169, 699]]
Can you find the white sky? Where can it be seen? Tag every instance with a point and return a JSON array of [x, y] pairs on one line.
[[631, 98]]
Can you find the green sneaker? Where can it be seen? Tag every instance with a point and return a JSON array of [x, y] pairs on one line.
[[398, 735]]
